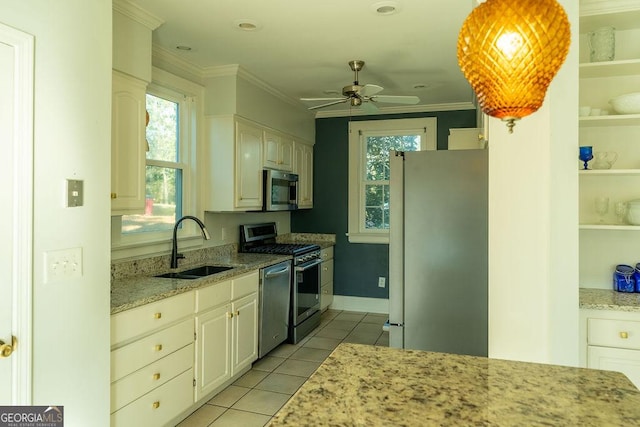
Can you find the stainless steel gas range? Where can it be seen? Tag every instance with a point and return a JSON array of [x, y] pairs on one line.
[[304, 307]]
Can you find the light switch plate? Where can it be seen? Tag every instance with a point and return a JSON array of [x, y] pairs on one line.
[[75, 193], [61, 264]]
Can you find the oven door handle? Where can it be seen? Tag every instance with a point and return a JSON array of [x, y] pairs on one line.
[[308, 265]]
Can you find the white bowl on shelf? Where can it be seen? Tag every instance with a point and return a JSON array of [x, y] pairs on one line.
[[626, 104], [633, 212]]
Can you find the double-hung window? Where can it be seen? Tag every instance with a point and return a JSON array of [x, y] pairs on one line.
[[369, 145], [169, 183]]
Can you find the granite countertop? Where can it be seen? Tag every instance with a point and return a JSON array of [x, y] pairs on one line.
[[134, 291], [605, 299], [322, 240], [361, 385]]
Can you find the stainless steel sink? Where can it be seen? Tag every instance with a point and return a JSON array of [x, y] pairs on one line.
[[196, 273]]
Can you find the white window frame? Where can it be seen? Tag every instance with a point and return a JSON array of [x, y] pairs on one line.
[[189, 96], [358, 131]]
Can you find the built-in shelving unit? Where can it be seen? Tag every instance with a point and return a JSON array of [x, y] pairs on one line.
[[605, 244]]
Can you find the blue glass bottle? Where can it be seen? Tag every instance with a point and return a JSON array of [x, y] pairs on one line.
[[623, 278]]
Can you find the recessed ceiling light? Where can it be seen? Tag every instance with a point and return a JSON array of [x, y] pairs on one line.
[[182, 47], [247, 25], [385, 7]]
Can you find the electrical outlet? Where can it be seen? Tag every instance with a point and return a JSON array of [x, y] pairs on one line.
[[63, 264], [382, 281]]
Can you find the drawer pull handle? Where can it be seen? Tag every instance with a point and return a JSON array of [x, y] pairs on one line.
[[624, 335], [156, 376], [114, 196], [158, 347], [158, 315], [156, 405]]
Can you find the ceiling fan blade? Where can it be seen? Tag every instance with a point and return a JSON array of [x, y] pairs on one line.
[[391, 99], [369, 90], [315, 107], [369, 107], [322, 99]]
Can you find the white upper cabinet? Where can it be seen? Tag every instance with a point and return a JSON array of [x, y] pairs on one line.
[[128, 145], [303, 166], [278, 151], [232, 165]]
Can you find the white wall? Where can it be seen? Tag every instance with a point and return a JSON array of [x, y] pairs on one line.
[[72, 140], [533, 233]]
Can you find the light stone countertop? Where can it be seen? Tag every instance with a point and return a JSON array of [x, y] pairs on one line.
[[605, 299], [360, 385], [134, 291]]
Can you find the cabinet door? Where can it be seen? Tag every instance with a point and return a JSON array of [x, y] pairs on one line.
[[286, 154], [303, 166], [616, 359], [128, 144], [245, 332], [213, 364], [248, 179], [272, 145]]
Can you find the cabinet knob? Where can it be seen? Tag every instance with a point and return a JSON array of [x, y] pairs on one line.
[[624, 335], [237, 312], [156, 404], [156, 376], [229, 315], [158, 315], [114, 196], [159, 347]]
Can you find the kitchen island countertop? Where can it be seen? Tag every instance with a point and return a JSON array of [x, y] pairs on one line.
[[361, 385]]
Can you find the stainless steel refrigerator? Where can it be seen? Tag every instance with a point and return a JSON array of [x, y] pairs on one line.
[[438, 260]]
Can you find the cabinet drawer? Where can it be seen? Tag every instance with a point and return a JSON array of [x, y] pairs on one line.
[[144, 319], [616, 359], [244, 285], [614, 333], [134, 356], [326, 272], [326, 295], [150, 377], [326, 253], [159, 406], [212, 296]]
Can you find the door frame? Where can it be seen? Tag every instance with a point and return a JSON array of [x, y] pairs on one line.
[[22, 205]]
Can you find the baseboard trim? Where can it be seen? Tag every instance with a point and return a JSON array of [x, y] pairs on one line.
[[361, 304]]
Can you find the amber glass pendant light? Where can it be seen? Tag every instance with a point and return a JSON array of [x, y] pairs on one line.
[[509, 51]]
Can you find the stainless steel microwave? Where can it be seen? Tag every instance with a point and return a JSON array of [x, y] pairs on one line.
[[280, 191]]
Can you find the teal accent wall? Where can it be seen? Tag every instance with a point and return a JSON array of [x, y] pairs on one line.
[[357, 266]]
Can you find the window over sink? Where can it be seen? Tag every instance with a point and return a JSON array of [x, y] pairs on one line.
[[170, 183]]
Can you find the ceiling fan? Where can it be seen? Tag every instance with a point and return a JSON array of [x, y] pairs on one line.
[[362, 95]]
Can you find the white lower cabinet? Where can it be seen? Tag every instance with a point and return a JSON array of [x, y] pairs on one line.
[[227, 331], [152, 362], [611, 341]]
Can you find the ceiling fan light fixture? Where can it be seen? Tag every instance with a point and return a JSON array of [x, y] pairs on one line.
[[510, 52], [385, 7]]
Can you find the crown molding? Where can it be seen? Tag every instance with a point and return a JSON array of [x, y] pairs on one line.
[[137, 13], [163, 55], [429, 108], [597, 7]]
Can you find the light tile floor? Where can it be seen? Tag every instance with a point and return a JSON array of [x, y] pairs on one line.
[[256, 396]]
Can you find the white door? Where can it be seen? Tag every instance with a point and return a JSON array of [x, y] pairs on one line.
[[16, 183]]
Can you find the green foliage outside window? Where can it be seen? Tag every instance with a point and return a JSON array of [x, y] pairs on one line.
[[376, 171]]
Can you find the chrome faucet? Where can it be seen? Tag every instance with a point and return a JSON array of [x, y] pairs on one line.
[[175, 256]]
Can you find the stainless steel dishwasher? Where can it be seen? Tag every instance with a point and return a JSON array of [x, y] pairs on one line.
[[275, 294]]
